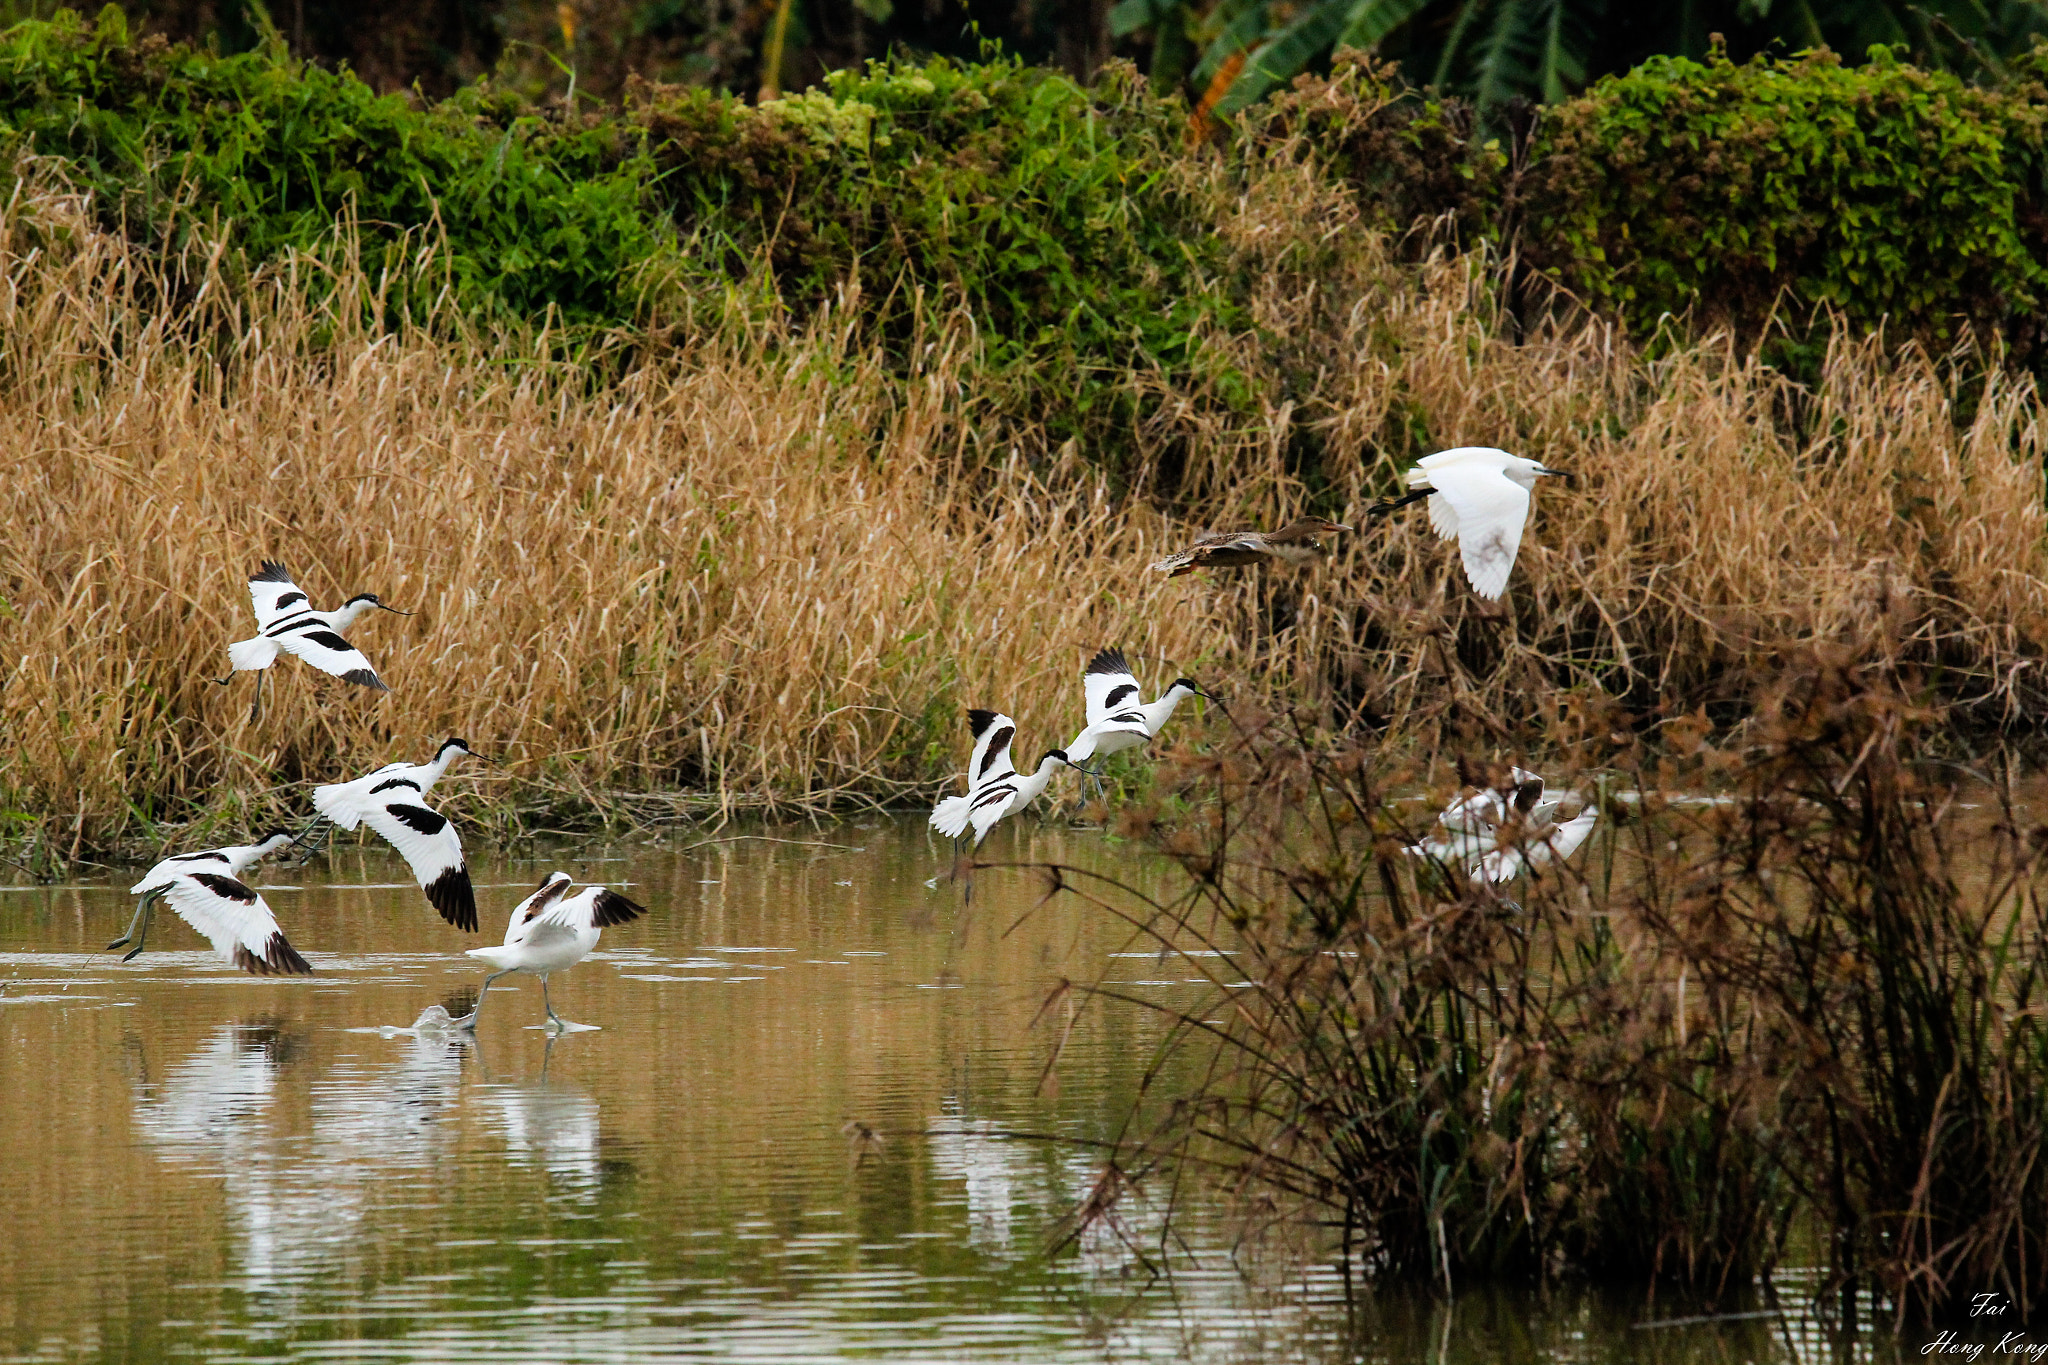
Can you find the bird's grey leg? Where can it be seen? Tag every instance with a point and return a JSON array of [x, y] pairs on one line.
[[137, 927], [256, 707], [312, 840], [468, 1021], [553, 1018]]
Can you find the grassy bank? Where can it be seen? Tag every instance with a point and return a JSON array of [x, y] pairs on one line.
[[771, 567]]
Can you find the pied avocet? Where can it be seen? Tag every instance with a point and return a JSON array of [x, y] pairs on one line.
[[552, 931], [1117, 720], [286, 623], [205, 890], [995, 789], [1500, 831], [392, 801]]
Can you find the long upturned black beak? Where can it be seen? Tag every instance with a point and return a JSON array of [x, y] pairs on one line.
[[396, 612], [1564, 474]]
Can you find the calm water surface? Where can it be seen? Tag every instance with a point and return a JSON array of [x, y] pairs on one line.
[[785, 1141]]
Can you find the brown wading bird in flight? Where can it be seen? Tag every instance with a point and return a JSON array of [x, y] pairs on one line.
[[1294, 543]]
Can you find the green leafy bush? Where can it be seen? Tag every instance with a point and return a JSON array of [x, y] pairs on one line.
[[1883, 191]]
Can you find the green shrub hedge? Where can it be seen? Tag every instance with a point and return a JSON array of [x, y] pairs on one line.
[[1076, 227]]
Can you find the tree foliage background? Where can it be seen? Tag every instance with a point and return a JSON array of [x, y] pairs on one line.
[[1223, 54]]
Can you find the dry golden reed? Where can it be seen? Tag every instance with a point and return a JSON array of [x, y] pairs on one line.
[[772, 568]]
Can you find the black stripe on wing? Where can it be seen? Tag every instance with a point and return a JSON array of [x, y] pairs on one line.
[[999, 742], [1001, 792], [199, 858], [271, 572], [279, 959], [227, 888], [979, 720], [1118, 694], [286, 600], [452, 895], [327, 639], [611, 908], [426, 821], [388, 783]]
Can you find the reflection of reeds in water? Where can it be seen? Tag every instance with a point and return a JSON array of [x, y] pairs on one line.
[[775, 567], [1812, 1011]]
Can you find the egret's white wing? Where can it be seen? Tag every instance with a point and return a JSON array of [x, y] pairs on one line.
[[239, 924], [1566, 838], [1491, 509], [431, 848], [274, 595], [1109, 683], [1443, 519], [317, 643]]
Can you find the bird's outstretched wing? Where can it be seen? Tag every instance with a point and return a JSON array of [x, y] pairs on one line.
[[239, 924], [274, 595], [993, 732], [319, 646], [1110, 684], [596, 907], [431, 848], [1491, 509], [346, 803]]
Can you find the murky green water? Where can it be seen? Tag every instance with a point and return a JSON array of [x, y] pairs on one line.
[[201, 1164]]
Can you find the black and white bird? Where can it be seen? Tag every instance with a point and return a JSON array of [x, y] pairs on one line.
[[1478, 496], [1499, 832], [1117, 720], [392, 801], [552, 931], [995, 789], [206, 891], [287, 624]]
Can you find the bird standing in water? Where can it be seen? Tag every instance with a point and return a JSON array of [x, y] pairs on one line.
[[552, 931], [287, 624], [1298, 542]]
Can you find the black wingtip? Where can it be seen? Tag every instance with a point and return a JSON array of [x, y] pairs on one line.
[[363, 677], [452, 895], [979, 720], [1109, 660], [271, 572], [611, 908], [279, 959]]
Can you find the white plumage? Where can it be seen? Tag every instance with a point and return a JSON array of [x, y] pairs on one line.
[[996, 789], [1479, 496], [206, 891], [1117, 720], [392, 802], [552, 931], [1497, 833], [287, 624]]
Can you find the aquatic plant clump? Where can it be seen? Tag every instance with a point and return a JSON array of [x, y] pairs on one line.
[[1810, 1010]]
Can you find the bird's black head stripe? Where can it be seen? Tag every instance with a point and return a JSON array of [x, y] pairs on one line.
[[419, 817], [388, 783], [996, 744], [1117, 694], [225, 887]]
